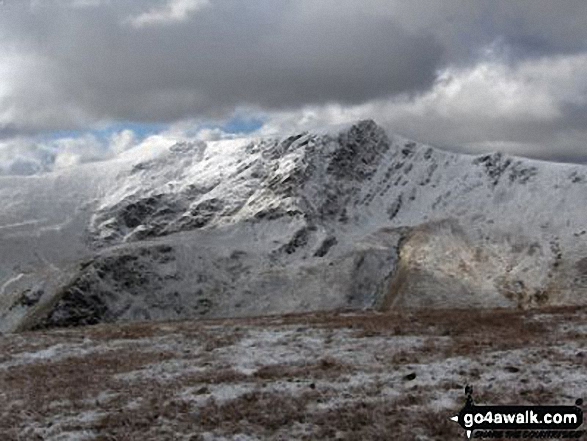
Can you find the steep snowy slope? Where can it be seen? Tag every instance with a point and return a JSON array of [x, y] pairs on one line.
[[348, 217]]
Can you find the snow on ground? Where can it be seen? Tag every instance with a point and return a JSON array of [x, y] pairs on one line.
[[346, 217], [309, 376]]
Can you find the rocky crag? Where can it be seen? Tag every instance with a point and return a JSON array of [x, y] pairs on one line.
[[349, 217]]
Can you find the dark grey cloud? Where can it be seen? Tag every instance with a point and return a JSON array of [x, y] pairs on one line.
[[8, 131], [527, 27], [518, 68], [229, 54]]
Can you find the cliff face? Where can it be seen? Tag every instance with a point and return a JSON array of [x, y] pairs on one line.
[[347, 217]]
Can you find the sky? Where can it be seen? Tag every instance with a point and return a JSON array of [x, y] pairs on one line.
[[84, 80]]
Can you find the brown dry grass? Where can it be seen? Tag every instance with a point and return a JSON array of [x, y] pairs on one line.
[[38, 391], [325, 368]]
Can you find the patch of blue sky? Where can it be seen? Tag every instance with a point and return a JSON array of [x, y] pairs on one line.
[[237, 124], [242, 125]]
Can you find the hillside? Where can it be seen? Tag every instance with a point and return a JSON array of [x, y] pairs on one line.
[[352, 376], [349, 217]]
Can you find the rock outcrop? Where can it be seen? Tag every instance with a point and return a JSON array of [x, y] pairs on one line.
[[350, 217]]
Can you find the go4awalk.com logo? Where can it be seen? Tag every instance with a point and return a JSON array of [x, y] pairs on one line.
[[522, 422]]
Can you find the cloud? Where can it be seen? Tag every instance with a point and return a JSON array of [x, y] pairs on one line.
[[27, 155], [172, 12], [88, 3], [37, 5], [84, 67], [122, 141], [30, 155], [29, 98], [469, 74], [534, 108]]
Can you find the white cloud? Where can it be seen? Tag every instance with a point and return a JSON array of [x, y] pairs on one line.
[[22, 157], [122, 141], [204, 130], [171, 12], [487, 90], [492, 105], [26, 155], [74, 151]]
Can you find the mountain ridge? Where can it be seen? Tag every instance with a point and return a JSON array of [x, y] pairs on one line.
[[344, 217]]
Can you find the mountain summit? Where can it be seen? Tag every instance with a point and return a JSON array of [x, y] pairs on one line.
[[346, 217]]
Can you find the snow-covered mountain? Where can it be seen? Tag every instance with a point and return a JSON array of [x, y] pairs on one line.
[[346, 217]]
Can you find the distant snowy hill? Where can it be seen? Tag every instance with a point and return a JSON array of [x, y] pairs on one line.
[[347, 217]]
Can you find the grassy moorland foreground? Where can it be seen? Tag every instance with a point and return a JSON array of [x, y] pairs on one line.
[[355, 376]]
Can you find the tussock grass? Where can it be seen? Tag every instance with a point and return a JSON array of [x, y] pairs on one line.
[[324, 394]]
